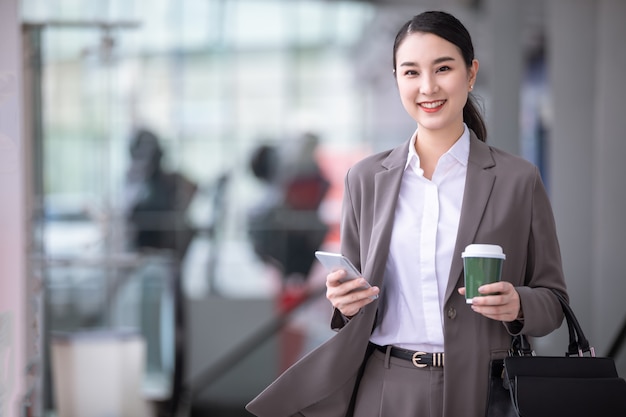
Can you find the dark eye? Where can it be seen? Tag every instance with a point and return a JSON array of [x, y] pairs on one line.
[[411, 73], [444, 69]]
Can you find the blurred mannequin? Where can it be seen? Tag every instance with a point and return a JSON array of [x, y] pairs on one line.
[[156, 200], [285, 227]]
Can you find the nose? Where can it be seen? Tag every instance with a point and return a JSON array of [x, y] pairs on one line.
[[428, 85]]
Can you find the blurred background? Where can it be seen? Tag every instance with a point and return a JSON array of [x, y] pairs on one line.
[[168, 168]]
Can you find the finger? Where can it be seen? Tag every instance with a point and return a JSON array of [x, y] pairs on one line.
[[498, 307], [334, 278], [352, 290], [355, 284], [462, 290], [490, 300], [351, 303], [487, 310], [500, 287], [355, 288]]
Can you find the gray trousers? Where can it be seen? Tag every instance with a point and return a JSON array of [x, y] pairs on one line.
[[393, 387]]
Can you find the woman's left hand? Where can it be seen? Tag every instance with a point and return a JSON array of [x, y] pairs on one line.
[[503, 305]]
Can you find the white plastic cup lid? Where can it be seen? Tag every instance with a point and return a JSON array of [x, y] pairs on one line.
[[476, 250]]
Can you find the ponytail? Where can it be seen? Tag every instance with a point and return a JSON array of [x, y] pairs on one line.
[[473, 119]]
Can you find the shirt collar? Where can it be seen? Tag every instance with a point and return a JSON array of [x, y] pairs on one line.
[[459, 151]]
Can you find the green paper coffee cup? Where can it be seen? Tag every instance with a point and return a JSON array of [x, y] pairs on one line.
[[482, 264]]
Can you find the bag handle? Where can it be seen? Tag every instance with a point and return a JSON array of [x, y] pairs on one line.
[[578, 342]]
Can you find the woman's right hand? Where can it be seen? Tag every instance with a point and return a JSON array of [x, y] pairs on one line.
[[348, 297]]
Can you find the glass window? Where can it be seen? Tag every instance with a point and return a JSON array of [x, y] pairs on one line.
[[213, 80]]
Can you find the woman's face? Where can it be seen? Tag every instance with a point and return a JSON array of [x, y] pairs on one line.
[[433, 81]]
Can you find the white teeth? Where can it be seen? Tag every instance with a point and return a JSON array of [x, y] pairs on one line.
[[432, 105]]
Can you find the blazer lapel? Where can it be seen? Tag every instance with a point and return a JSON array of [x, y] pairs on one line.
[[478, 185], [386, 189]]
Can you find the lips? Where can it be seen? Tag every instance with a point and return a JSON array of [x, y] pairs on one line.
[[431, 105]]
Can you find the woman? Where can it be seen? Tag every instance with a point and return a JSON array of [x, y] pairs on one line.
[[408, 214]]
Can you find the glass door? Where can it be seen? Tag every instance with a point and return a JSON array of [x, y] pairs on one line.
[[100, 297]]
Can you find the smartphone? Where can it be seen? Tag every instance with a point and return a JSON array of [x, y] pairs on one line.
[[334, 261]]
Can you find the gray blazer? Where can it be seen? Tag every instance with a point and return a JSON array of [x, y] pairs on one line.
[[504, 203]]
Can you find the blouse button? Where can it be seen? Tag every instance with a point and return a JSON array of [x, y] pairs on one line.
[[451, 313]]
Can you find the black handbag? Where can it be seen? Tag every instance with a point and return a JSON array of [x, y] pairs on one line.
[[577, 384]]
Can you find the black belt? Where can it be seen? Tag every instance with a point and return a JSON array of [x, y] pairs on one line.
[[419, 359]]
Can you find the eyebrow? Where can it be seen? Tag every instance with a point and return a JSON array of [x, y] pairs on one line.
[[435, 62]]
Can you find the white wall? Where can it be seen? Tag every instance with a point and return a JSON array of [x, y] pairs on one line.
[[13, 349], [587, 62], [609, 171], [503, 64]]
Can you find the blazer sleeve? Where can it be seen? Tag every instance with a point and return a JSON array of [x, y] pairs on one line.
[[542, 312], [349, 240]]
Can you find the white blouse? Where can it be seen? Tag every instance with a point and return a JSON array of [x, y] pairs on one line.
[[422, 244]]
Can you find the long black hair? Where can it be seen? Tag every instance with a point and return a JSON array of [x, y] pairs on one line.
[[451, 29]]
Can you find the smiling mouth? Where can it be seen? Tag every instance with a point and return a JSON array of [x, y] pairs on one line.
[[432, 104]]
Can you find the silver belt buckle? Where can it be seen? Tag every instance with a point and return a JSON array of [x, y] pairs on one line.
[[417, 358]]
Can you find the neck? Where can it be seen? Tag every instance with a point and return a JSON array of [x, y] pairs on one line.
[[434, 143]]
